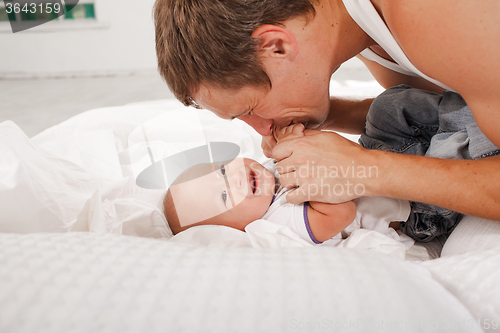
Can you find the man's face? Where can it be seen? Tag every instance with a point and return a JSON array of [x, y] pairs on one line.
[[262, 108]]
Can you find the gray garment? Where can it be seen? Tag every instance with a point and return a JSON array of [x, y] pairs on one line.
[[411, 121]]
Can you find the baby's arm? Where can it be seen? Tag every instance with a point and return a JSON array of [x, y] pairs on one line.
[[327, 220]]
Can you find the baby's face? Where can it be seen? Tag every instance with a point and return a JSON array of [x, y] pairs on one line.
[[233, 195]]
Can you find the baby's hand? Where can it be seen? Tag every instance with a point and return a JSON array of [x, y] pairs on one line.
[[290, 132]]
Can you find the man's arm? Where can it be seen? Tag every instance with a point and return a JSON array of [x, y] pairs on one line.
[[467, 186], [389, 78], [330, 168], [347, 115]]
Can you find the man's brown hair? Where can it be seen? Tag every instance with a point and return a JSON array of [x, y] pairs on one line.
[[209, 41]]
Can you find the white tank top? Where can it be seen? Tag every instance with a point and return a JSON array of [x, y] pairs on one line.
[[366, 16]]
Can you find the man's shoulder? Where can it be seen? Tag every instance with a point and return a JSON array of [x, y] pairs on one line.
[[439, 37], [413, 22]]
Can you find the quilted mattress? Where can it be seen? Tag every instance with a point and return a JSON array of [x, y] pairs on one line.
[[84, 282]]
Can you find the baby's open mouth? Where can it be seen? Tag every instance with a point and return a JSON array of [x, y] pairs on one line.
[[253, 182]]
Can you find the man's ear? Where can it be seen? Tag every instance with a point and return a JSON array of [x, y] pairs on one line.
[[276, 42]]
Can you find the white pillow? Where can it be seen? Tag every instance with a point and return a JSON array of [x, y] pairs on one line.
[[85, 282], [124, 208], [474, 279], [40, 191], [472, 234]]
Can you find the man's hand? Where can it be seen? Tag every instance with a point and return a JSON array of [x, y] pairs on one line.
[[323, 165]]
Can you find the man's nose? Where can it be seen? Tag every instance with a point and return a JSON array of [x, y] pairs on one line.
[[263, 126]]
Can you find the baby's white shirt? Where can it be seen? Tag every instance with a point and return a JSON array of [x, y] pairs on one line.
[[292, 216], [373, 213]]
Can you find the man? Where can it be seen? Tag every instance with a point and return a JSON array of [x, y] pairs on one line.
[[269, 63]]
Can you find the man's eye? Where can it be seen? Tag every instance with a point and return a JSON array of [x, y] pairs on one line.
[[222, 170], [224, 196]]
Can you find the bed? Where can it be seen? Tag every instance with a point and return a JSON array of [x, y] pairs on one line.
[[84, 249]]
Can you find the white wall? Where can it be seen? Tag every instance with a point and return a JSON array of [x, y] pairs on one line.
[[120, 41]]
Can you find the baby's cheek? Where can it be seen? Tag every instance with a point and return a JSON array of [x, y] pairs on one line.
[[256, 208]]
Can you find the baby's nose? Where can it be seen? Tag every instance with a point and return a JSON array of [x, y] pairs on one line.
[[237, 179]]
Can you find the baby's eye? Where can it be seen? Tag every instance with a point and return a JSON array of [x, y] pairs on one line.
[[222, 170], [224, 197]]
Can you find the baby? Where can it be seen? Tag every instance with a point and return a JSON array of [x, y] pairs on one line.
[[242, 191]]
